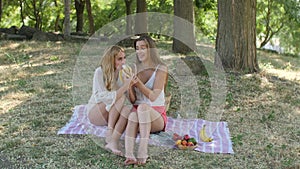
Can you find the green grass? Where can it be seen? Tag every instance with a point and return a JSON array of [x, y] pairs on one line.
[[262, 111]]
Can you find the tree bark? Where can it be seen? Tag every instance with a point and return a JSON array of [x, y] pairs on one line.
[[21, 12], [67, 26], [79, 6], [236, 36], [128, 17], [0, 9], [184, 31], [141, 18], [56, 25], [37, 16], [90, 16]]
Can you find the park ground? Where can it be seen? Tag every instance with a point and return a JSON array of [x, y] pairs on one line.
[[262, 111]]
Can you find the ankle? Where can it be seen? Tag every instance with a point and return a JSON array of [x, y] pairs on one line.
[[130, 156]]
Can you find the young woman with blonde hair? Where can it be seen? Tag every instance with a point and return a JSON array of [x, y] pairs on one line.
[[106, 105]]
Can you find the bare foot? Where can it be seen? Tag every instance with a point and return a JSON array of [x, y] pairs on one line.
[[141, 161], [113, 147], [130, 161]]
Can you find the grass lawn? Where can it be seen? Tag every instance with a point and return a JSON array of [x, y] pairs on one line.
[[36, 89]]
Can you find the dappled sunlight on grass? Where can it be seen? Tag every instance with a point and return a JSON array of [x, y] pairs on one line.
[[285, 67], [262, 111], [288, 75], [12, 100]]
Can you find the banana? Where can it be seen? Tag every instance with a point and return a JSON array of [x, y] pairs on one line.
[[121, 76], [127, 71], [203, 136]]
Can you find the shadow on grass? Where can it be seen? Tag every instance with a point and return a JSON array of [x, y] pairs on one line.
[[260, 110]]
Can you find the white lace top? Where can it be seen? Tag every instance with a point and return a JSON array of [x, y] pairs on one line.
[[100, 93]]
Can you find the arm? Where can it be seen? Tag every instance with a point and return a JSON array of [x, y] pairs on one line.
[[101, 94], [159, 84], [125, 87], [131, 93]]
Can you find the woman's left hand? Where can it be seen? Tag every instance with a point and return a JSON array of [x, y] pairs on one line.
[[134, 80]]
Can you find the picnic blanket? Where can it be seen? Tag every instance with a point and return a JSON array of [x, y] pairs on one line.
[[79, 124]]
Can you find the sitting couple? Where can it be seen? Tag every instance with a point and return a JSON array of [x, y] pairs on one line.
[[145, 90]]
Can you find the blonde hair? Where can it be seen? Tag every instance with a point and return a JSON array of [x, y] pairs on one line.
[[107, 64]]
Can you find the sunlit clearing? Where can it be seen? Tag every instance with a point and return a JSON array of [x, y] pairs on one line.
[[168, 56], [14, 45], [12, 100], [289, 75]]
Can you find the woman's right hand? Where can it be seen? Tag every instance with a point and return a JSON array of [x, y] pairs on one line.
[[128, 81]]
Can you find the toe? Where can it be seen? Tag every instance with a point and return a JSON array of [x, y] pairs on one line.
[[130, 161]]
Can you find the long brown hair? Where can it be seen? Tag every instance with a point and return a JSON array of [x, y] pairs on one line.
[[153, 52], [107, 64]]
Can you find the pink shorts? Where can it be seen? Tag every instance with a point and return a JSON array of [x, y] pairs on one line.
[[160, 109]]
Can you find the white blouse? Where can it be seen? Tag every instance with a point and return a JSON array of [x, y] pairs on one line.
[[100, 93]]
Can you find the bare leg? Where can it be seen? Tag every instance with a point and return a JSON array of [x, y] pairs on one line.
[[149, 120], [131, 133], [118, 131], [97, 114], [113, 116]]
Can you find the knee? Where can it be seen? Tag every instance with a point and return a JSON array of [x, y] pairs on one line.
[[121, 100], [132, 117], [143, 108], [119, 103], [125, 111]]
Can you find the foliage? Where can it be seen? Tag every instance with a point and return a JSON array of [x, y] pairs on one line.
[[10, 15], [270, 19], [275, 18], [206, 18], [205, 4], [105, 12], [163, 6], [290, 36], [279, 19]]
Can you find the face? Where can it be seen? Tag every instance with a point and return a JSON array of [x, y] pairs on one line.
[[141, 50], [120, 60]]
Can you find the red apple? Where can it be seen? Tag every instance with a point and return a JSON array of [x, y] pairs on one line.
[[186, 137]]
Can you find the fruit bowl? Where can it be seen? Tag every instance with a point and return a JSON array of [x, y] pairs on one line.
[[184, 143], [182, 147]]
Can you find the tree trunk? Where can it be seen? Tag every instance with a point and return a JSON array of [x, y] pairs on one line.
[[0, 10], [236, 36], [184, 31], [141, 18], [67, 26], [79, 6], [128, 17], [21, 12], [37, 16], [56, 25], [90, 16]]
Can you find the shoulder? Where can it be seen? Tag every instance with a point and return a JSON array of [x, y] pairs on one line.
[[98, 70], [162, 68]]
